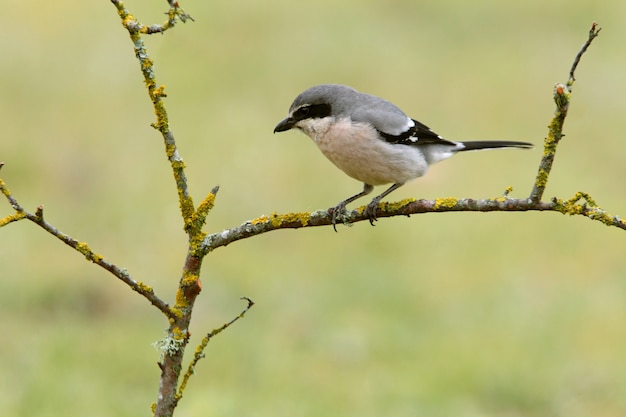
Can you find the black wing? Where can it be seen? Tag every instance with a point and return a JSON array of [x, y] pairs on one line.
[[419, 134]]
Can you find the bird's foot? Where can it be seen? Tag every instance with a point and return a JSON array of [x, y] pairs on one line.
[[339, 212], [370, 210]]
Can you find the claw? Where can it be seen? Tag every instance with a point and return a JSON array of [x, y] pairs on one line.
[[338, 212], [370, 210]]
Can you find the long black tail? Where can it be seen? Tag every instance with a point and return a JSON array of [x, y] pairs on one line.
[[493, 144]]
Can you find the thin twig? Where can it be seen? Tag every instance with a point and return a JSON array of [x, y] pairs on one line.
[[199, 353], [84, 249], [593, 33]]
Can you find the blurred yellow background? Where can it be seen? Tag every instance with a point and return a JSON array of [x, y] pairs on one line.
[[459, 314]]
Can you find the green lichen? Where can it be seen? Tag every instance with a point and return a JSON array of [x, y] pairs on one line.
[[170, 345]]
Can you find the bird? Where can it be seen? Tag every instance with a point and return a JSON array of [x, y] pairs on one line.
[[372, 140]]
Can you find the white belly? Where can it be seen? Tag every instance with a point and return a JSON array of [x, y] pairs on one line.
[[373, 162]]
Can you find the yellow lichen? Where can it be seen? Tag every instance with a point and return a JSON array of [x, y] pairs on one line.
[[179, 164], [170, 148], [181, 302], [4, 189], [196, 220], [12, 218], [399, 204], [129, 20], [302, 218], [177, 312], [259, 220], [160, 91], [96, 258], [178, 333], [144, 288], [84, 249], [445, 203], [186, 208], [278, 219], [205, 206], [542, 178], [195, 244]]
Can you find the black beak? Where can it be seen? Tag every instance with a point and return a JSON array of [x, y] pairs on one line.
[[285, 124]]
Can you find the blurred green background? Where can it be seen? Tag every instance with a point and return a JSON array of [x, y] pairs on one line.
[[499, 314]]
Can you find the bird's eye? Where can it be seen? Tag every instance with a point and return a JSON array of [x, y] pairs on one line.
[[312, 111], [303, 112]]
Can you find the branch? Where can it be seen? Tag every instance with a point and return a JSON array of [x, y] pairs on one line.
[[562, 96], [82, 247], [407, 207], [194, 219], [199, 353], [157, 93], [173, 14], [594, 31]]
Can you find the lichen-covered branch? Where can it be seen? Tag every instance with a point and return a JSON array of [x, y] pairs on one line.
[[408, 207], [174, 13], [157, 93], [594, 31], [199, 353], [175, 342], [83, 248], [562, 96]]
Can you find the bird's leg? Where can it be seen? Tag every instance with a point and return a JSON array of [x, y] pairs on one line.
[[370, 210], [340, 209]]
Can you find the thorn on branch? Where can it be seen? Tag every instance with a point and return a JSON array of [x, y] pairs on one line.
[[39, 213]]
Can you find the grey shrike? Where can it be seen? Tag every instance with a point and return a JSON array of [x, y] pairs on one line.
[[371, 140]]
